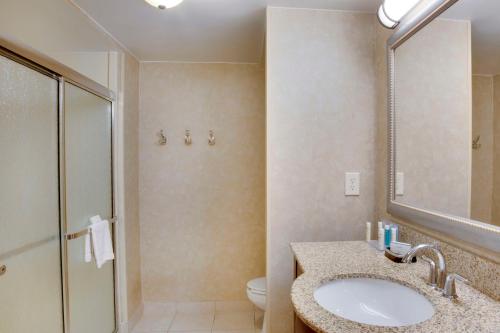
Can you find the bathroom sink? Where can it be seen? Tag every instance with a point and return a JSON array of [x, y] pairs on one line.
[[374, 301]]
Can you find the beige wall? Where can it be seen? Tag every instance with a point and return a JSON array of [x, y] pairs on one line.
[[202, 207], [58, 29], [482, 158], [131, 183], [94, 65], [433, 117], [496, 166], [321, 98]]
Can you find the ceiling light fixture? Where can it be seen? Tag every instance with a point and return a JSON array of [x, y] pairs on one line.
[[391, 12], [164, 4]]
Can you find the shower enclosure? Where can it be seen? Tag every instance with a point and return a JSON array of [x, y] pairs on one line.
[[56, 171]]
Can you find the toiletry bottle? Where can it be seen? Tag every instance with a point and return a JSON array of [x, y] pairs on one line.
[[387, 236], [368, 231], [381, 236], [394, 233]]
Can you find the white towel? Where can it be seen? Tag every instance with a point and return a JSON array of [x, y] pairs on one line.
[[102, 245], [88, 245], [101, 242]]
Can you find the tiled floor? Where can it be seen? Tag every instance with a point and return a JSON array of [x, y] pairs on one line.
[[201, 317]]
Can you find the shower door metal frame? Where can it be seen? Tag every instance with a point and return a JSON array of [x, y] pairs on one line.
[[41, 63]]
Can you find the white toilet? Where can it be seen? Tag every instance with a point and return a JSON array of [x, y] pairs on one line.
[[256, 292]]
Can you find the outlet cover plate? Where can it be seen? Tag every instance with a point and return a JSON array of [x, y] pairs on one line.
[[352, 183]]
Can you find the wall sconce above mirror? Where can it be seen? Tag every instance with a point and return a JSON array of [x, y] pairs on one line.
[[391, 12], [444, 86]]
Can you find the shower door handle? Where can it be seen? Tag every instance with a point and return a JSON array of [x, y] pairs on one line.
[[3, 270]]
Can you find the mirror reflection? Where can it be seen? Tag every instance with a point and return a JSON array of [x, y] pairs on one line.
[[447, 114]]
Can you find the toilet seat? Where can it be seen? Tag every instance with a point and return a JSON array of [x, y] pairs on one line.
[[257, 286]]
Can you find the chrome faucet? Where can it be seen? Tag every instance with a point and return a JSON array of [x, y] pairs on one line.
[[441, 266], [449, 290], [432, 271]]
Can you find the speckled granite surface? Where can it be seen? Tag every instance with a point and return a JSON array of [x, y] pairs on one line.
[[483, 274], [323, 262]]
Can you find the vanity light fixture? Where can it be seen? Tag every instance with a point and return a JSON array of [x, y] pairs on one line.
[[164, 4], [391, 12], [384, 20]]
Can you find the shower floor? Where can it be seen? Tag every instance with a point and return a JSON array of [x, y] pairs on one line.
[[200, 317]]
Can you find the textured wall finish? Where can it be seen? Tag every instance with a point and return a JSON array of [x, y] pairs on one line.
[[58, 29], [320, 124], [482, 158], [496, 166], [202, 207], [433, 115], [131, 184]]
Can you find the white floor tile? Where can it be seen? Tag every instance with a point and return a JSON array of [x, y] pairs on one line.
[[153, 324], [158, 309], [189, 331], [233, 306], [157, 317], [200, 317], [192, 322], [235, 331], [234, 321], [196, 307]]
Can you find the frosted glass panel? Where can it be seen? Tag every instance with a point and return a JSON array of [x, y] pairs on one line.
[[88, 193], [29, 203]]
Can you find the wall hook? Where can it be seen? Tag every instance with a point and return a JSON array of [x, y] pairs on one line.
[[475, 142], [187, 138], [162, 139], [211, 138]]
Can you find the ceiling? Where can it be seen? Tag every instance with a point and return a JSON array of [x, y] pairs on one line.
[[198, 30], [485, 31]]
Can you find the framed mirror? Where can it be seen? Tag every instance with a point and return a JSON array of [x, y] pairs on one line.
[[444, 120]]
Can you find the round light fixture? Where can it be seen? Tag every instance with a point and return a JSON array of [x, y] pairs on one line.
[[392, 11], [164, 4], [384, 20], [396, 9]]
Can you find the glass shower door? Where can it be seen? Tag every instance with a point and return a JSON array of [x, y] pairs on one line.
[[30, 287], [88, 165]]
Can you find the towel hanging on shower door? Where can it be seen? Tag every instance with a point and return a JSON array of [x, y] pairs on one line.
[[98, 242]]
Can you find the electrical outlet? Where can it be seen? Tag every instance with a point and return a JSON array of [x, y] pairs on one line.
[[352, 180], [400, 183]]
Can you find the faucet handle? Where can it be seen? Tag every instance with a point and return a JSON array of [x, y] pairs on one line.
[[460, 278], [449, 290], [432, 271]]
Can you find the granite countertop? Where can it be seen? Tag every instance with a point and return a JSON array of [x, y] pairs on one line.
[[323, 262]]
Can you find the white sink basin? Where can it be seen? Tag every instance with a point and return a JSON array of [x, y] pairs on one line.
[[374, 302]]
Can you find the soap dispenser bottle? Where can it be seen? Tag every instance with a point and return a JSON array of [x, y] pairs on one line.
[[381, 236]]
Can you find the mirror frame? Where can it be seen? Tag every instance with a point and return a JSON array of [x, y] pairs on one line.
[[482, 235]]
